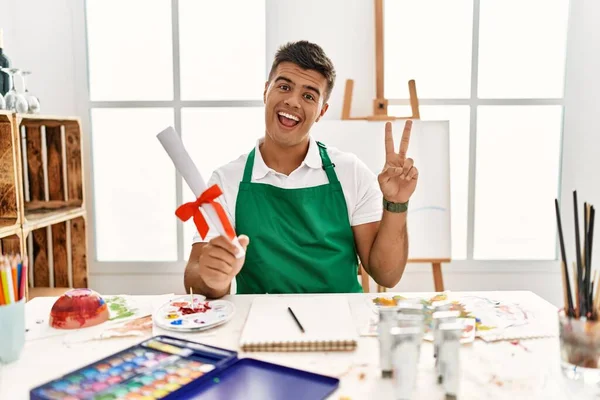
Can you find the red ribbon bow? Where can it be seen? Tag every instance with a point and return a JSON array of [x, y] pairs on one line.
[[192, 209]]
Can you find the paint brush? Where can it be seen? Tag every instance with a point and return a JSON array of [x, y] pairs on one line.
[[576, 287], [589, 258], [582, 310], [586, 263], [567, 281]]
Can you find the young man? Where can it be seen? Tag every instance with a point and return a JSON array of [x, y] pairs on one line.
[[302, 211]]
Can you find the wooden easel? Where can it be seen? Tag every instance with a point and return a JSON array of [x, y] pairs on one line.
[[380, 113]]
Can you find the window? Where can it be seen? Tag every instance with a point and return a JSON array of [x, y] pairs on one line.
[[495, 70], [169, 70]]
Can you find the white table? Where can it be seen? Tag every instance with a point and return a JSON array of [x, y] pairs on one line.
[[497, 370]]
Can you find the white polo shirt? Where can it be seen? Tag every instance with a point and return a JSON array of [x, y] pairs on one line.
[[359, 184]]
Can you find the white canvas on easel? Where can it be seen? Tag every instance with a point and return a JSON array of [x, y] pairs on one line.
[[429, 209]]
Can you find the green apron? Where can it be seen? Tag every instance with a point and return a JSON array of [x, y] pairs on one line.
[[301, 240]]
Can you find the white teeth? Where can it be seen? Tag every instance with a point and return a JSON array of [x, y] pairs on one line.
[[289, 116]]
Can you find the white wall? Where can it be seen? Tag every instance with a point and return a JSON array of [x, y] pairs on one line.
[[581, 141], [347, 37], [39, 36]]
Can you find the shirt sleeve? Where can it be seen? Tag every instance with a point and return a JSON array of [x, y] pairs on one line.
[[369, 206], [212, 231]]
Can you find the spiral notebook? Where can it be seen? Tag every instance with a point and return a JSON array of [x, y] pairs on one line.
[[327, 322]]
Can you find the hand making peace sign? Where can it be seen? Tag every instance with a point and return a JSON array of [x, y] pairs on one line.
[[398, 179]]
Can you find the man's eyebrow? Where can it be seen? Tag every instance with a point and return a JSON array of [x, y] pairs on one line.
[[286, 79], [283, 78]]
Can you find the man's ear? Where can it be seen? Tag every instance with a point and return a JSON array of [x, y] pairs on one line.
[[265, 92], [323, 111]]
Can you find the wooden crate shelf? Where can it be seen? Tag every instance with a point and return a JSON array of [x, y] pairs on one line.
[[42, 204], [9, 227], [42, 219], [11, 244], [10, 216], [57, 254]]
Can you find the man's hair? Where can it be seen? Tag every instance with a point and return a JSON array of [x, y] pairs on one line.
[[306, 55]]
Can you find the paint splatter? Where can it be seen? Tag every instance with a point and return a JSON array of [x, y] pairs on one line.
[[518, 343], [178, 322], [197, 308], [494, 379], [119, 308]]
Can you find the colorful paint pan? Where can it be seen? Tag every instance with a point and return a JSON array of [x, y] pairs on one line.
[[150, 373]]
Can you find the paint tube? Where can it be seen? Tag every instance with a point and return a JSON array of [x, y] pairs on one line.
[[441, 305], [439, 318], [406, 346], [387, 321], [412, 320], [410, 307], [449, 358]]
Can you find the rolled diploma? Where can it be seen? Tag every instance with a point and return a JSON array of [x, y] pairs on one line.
[[186, 167]]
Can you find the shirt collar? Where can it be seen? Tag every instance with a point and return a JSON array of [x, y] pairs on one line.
[[312, 159]]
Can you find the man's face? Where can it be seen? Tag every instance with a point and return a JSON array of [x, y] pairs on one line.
[[294, 101]]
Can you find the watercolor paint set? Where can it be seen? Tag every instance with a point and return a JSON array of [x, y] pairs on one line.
[[164, 367]]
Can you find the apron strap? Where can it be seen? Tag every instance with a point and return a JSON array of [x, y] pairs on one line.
[[328, 166], [248, 168]]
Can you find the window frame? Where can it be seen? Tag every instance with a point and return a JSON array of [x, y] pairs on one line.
[[144, 268], [97, 267], [473, 102]]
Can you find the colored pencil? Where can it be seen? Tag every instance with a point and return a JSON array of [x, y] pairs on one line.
[[13, 279], [2, 301], [9, 282], [13, 270], [23, 289], [4, 281]]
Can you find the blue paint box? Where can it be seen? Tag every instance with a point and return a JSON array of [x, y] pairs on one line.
[[165, 367]]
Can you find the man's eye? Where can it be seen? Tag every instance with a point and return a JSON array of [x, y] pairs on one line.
[[284, 87], [309, 97]]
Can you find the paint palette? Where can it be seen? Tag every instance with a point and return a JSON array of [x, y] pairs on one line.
[[190, 314]]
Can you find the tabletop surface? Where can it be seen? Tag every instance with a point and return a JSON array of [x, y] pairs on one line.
[[497, 370]]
